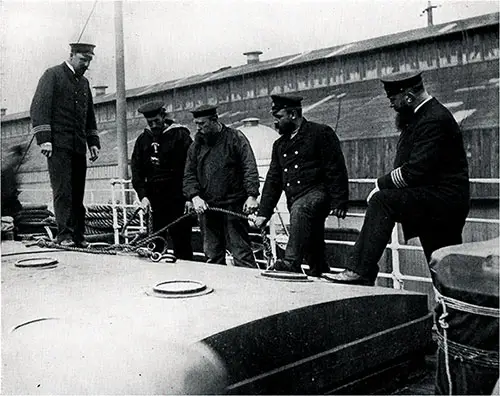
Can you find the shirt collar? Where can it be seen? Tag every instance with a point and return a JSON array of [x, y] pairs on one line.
[[421, 104], [70, 67]]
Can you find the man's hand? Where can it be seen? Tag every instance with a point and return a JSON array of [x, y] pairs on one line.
[[46, 149], [339, 212], [188, 207], [199, 205], [145, 204], [94, 153], [260, 221], [250, 205]]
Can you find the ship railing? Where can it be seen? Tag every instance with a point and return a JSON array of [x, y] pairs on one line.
[[395, 247], [122, 192]]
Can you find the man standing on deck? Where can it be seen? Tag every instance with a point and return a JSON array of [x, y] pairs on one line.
[[221, 171], [428, 190], [307, 163], [157, 166], [62, 114]]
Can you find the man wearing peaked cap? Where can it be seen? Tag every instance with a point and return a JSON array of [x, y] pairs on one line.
[[308, 164], [82, 48], [428, 189], [396, 83], [221, 171], [157, 167], [285, 102], [63, 119]]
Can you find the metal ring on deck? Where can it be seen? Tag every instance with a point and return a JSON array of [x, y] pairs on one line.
[[37, 262], [180, 289], [285, 276]]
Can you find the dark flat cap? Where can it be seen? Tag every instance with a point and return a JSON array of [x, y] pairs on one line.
[[151, 109], [82, 48], [286, 102], [396, 83], [204, 111]]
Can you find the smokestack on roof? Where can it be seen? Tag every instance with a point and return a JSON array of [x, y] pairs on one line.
[[100, 90], [3, 111], [252, 57]]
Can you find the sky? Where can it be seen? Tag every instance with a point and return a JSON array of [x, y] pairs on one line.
[[170, 39]]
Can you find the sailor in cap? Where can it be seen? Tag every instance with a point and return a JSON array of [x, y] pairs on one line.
[[428, 189], [157, 167], [221, 171], [308, 164], [64, 123]]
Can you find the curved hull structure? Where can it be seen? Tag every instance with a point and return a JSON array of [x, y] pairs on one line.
[[100, 324]]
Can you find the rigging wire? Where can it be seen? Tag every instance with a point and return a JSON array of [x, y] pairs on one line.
[[88, 19]]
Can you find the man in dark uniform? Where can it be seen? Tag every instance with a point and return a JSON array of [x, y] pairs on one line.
[[221, 171], [428, 190], [308, 164], [157, 165], [62, 113]]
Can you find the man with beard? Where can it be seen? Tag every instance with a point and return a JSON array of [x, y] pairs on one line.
[[428, 190], [62, 114], [221, 172], [308, 164], [157, 165]]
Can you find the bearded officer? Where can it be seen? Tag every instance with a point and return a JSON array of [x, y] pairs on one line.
[[428, 189], [157, 165], [308, 164]]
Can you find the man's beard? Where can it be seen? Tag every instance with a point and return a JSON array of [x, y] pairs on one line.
[[80, 72], [286, 128], [403, 118], [208, 138]]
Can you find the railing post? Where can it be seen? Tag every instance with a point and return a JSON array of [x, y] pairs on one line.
[[397, 281]]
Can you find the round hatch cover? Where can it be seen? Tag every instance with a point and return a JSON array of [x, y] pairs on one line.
[[180, 289], [37, 262], [285, 276]]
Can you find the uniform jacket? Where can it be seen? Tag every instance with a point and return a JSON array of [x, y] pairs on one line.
[[431, 159], [223, 173], [62, 110], [311, 159], [158, 162]]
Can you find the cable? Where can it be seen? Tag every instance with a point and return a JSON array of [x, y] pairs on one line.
[[86, 23]]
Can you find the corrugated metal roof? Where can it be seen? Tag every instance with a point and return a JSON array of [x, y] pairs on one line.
[[317, 55]]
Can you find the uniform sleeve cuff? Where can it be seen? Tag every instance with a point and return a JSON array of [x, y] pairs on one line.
[[43, 136], [93, 140]]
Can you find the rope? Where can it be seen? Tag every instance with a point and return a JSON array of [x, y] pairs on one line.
[[138, 246], [467, 307], [465, 352], [461, 351]]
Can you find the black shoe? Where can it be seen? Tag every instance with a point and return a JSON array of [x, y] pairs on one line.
[[349, 277], [66, 243], [282, 265], [82, 244]]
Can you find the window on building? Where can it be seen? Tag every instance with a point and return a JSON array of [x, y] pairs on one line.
[[336, 72], [370, 69], [491, 45], [427, 56]]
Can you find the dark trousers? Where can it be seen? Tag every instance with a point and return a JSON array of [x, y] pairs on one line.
[[222, 231], [67, 171], [164, 213], [387, 207], [307, 232]]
